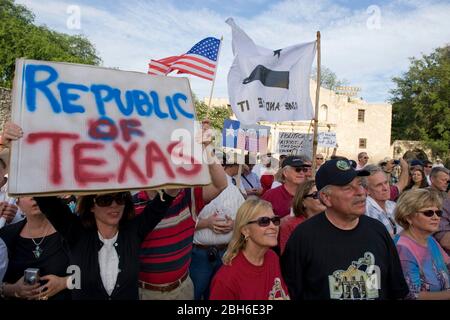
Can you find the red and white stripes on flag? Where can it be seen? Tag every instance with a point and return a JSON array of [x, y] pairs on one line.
[[161, 67], [200, 61]]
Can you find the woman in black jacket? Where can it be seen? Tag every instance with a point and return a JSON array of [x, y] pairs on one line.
[[104, 241]]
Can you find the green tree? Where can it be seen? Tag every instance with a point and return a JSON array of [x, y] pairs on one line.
[[420, 102], [216, 114], [19, 37], [328, 79]]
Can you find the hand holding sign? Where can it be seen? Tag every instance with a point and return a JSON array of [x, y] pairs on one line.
[[11, 131]]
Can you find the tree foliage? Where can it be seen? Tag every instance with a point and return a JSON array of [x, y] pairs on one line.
[[420, 102], [216, 114], [328, 79], [19, 37]]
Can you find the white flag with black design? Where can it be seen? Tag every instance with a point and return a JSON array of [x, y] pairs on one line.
[[269, 85]]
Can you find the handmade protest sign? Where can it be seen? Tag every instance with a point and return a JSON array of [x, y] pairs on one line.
[[294, 143], [95, 129], [327, 139]]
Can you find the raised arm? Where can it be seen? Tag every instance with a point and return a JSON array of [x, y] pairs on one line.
[[61, 217], [218, 178], [403, 180]]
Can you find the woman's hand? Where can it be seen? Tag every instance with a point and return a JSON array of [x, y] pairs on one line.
[[11, 131], [222, 226], [22, 290], [8, 211], [53, 286]]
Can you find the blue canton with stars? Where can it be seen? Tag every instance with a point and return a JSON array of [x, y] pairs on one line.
[[208, 47]]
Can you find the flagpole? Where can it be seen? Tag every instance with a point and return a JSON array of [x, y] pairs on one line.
[[215, 73], [316, 113]]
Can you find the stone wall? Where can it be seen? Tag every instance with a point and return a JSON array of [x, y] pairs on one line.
[[412, 149], [5, 105]]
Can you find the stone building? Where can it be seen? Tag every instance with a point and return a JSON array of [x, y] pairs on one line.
[[359, 125]]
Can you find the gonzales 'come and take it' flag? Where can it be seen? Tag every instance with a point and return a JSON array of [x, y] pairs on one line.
[[269, 85]]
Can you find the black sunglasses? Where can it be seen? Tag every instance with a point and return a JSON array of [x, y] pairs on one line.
[[299, 169], [314, 195], [107, 199], [430, 213], [265, 221]]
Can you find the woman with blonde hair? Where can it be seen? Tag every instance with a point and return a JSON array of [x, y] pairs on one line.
[[251, 271], [424, 263]]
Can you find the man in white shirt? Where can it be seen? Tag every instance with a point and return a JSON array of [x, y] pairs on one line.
[[378, 205], [213, 231]]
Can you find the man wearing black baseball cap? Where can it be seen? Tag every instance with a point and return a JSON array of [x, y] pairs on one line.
[[341, 253], [293, 172]]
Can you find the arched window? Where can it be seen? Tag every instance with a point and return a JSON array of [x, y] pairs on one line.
[[323, 113]]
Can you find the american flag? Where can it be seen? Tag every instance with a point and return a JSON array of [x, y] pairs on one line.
[[200, 61]]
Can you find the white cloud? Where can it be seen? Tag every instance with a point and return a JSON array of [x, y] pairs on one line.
[[135, 31]]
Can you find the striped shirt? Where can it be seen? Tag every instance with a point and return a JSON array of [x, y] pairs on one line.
[[387, 218], [165, 254]]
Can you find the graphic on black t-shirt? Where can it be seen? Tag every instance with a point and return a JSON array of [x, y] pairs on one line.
[[277, 292], [359, 282]]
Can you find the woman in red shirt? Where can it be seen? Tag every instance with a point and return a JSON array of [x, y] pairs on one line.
[[251, 271]]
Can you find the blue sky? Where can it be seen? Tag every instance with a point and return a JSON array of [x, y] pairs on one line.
[[365, 42]]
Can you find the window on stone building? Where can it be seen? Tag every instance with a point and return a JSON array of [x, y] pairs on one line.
[[362, 143], [323, 113], [361, 115]]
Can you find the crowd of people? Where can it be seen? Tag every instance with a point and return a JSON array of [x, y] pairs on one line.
[[278, 229]]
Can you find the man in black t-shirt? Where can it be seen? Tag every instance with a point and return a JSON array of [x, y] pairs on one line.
[[341, 253]]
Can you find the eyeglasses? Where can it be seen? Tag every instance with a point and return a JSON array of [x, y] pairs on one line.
[[319, 158], [265, 221], [314, 195], [300, 169], [107, 199], [430, 213]]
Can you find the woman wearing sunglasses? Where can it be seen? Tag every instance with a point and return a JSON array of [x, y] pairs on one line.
[[104, 240], [251, 271], [305, 205], [424, 262]]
